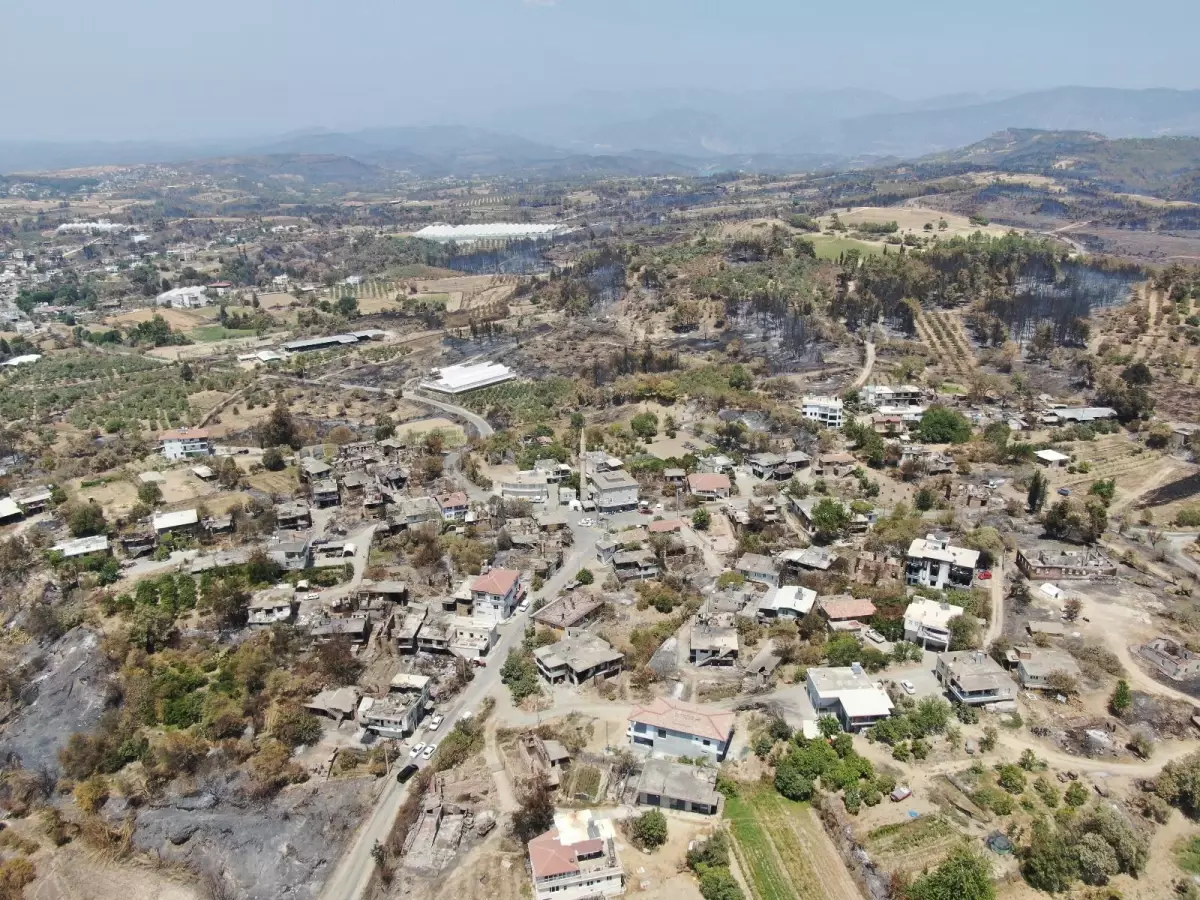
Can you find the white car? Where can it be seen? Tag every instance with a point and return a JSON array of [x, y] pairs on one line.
[[428, 752], [416, 750], [436, 722], [909, 687], [522, 606]]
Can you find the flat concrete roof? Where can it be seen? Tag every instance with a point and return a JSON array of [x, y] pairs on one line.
[[679, 782]]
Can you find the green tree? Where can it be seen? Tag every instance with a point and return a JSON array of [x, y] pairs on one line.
[[535, 815], [1050, 863], [1039, 487], [280, 429], [384, 428], [149, 493], [1121, 699], [701, 519], [644, 425], [85, 519], [830, 520], [348, 307], [272, 459], [941, 425], [649, 830], [791, 782], [585, 576], [1076, 795], [964, 875], [964, 633]]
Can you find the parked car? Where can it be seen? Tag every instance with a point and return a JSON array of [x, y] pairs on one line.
[[909, 687], [416, 750], [523, 605], [436, 722], [406, 773], [985, 574], [901, 793], [428, 751], [874, 636], [1066, 492]]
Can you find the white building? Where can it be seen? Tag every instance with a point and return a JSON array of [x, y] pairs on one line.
[[791, 602], [530, 485], [461, 379], [496, 231], [172, 521], [848, 693], [184, 298], [896, 395], [272, 606], [927, 622], [495, 593], [932, 562], [576, 859], [828, 411], [185, 443], [614, 491]]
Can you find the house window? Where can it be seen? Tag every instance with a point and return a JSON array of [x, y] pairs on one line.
[[706, 743], [662, 732]]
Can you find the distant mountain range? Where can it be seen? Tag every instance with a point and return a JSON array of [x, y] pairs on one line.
[[1165, 167], [676, 132]]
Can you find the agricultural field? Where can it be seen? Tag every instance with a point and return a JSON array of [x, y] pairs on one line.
[[829, 246], [525, 403], [209, 333], [942, 332], [783, 850], [912, 845], [912, 220], [112, 392]]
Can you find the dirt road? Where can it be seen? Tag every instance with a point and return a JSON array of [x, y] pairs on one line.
[[996, 625], [868, 366]]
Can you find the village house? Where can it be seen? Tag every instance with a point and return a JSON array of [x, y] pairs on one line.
[[934, 563], [290, 555], [578, 659], [387, 591], [293, 516], [848, 693], [759, 569], [574, 861], [313, 469], [545, 758], [181, 521], [1171, 658], [672, 785], [495, 594], [32, 500], [614, 491], [974, 678], [836, 465], [85, 546], [1035, 666], [829, 412], [716, 464], [531, 486], [272, 606], [414, 511], [1052, 459], [1051, 563], [472, 637], [876, 395], [185, 443], [790, 602], [338, 704], [454, 506], [639, 564], [713, 644], [355, 628], [927, 623], [709, 486], [846, 613], [325, 493], [669, 727]]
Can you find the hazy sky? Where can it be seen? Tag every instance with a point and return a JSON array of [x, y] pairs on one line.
[[135, 69]]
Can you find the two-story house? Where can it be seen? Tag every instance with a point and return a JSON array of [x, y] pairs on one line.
[[576, 860], [709, 485], [495, 594], [669, 727], [974, 678], [184, 443], [614, 491], [454, 506], [933, 562]]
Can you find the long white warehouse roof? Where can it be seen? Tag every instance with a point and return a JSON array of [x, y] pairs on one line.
[[459, 379], [498, 230]]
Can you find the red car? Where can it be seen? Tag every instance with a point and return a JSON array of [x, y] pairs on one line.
[[985, 574]]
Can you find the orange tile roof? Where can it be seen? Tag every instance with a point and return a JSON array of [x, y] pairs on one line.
[[689, 718], [548, 855], [847, 607], [497, 581], [708, 481], [665, 526]]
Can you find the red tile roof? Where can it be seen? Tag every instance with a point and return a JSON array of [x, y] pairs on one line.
[[708, 481], [689, 718], [456, 499], [184, 434], [846, 607], [497, 581], [665, 526], [549, 856]]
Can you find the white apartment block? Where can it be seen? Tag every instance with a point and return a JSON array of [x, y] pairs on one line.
[[827, 411]]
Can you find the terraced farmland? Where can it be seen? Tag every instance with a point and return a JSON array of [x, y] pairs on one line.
[[783, 850], [913, 845]]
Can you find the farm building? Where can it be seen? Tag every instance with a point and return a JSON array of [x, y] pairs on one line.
[[463, 379]]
